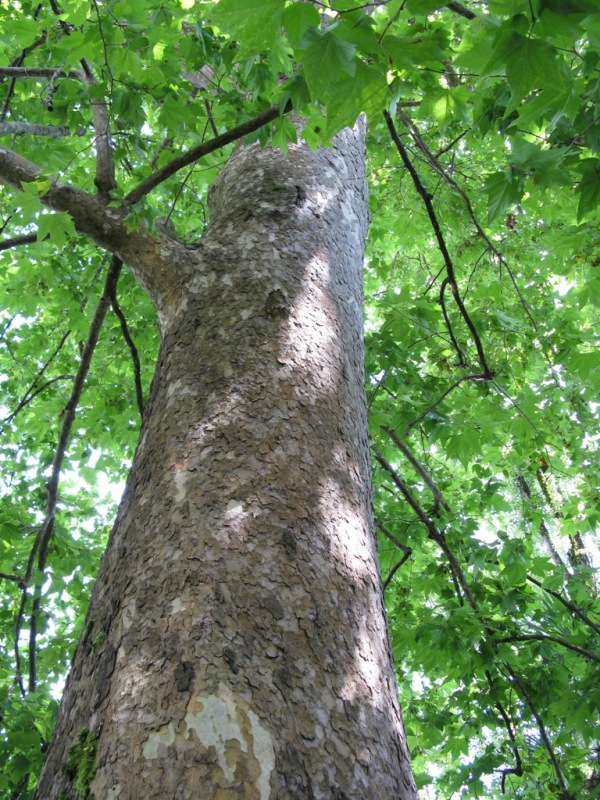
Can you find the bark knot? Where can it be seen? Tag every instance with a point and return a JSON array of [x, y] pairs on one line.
[[276, 305]]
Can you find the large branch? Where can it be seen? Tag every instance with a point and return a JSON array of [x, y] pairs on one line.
[[33, 129], [40, 72], [90, 215], [93, 218], [185, 159], [105, 164]]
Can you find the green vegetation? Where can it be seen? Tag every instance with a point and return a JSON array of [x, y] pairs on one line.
[[482, 321], [80, 767]]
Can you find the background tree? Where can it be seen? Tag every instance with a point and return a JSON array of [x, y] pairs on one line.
[[482, 292]]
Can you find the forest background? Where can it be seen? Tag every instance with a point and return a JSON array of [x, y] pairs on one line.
[[482, 286]]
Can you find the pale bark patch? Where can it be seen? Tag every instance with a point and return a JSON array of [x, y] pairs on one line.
[[224, 723]]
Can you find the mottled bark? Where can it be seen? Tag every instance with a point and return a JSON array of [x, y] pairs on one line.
[[236, 644]]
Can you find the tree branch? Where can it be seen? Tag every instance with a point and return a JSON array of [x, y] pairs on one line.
[[434, 163], [443, 397], [32, 129], [40, 72], [17, 241], [30, 395], [488, 374], [185, 159], [105, 163], [39, 551], [542, 637], [139, 395], [572, 608], [419, 468], [463, 11]]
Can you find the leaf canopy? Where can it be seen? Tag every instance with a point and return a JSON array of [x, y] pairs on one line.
[[482, 286]]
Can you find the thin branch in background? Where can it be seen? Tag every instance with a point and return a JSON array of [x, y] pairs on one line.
[[514, 403], [211, 119], [137, 370], [427, 200], [565, 794], [17, 241], [34, 383], [542, 637], [433, 161], [419, 468], [17, 62], [508, 724], [39, 551], [543, 529], [567, 604], [442, 397], [31, 395], [459, 578]]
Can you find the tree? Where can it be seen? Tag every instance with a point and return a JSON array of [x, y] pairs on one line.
[[481, 379]]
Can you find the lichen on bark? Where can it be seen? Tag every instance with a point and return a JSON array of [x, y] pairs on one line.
[[80, 766]]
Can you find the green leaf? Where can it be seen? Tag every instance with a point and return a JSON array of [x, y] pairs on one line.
[[255, 23], [503, 190], [326, 59], [529, 64], [588, 188], [59, 227], [445, 105], [297, 18], [366, 91]]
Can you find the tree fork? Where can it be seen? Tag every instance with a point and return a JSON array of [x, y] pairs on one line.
[[236, 644]]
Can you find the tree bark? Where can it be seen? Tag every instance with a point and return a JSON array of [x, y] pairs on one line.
[[236, 644]]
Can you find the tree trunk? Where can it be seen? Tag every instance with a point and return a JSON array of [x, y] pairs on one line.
[[236, 644]]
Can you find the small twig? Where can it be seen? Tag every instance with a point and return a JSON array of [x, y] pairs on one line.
[[30, 395], [396, 567], [15, 578], [442, 397], [26, 397], [503, 392], [18, 61], [211, 119]]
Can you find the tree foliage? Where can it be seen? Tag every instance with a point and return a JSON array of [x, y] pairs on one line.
[[483, 372]]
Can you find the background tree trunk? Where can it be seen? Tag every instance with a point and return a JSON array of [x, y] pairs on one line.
[[236, 644]]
